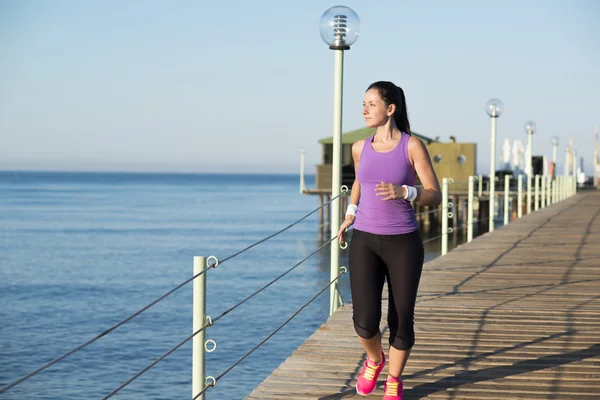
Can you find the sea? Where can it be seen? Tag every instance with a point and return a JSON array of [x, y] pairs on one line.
[[82, 251]]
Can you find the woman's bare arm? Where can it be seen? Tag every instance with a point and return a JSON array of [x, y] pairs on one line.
[[356, 150], [430, 194]]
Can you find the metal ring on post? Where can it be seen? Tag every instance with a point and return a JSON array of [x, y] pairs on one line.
[[344, 189], [216, 260], [209, 321], [210, 341], [450, 230], [210, 381], [450, 204], [344, 245], [450, 180], [343, 270], [450, 215]]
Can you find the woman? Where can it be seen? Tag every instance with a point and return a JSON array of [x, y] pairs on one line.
[[386, 243]]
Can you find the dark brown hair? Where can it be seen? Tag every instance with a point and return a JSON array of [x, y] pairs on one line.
[[392, 94]]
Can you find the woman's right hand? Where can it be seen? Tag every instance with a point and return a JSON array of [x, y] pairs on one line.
[[345, 225]]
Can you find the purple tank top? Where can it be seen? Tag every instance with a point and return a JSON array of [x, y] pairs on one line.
[[390, 217]]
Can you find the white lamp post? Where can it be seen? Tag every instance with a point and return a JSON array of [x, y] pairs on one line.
[[339, 29], [554, 148], [530, 129], [494, 109]]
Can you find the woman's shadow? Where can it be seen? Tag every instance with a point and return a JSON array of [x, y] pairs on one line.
[[471, 377]]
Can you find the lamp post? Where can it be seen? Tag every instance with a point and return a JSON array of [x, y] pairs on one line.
[[530, 129], [554, 148], [339, 28], [494, 109]]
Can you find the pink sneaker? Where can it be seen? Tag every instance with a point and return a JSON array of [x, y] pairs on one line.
[[367, 381], [393, 389]]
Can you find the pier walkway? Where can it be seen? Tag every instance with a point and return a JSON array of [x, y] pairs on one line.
[[515, 314]]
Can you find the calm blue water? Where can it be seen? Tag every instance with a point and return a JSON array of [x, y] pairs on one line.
[[81, 251]]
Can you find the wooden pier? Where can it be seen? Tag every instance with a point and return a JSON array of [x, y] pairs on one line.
[[515, 314]]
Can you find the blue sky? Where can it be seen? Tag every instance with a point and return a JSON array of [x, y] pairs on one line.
[[243, 86]]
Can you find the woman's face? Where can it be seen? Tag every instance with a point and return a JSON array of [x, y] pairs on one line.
[[375, 111]]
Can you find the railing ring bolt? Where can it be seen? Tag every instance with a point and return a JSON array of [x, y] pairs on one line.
[[213, 343], [215, 259], [210, 381]]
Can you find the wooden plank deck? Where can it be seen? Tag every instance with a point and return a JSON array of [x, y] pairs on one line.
[[514, 314]]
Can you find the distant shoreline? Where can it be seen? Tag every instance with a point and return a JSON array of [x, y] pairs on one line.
[[99, 172]]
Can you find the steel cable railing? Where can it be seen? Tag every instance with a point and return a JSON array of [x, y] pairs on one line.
[[211, 322], [213, 381], [162, 297]]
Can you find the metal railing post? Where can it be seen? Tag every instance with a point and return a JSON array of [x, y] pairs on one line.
[[198, 320], [520, 196], [506, 197], [480, 188], [529, 184], [470, 209], [536, 198], [560, 188], [543, 194], [444, 216]]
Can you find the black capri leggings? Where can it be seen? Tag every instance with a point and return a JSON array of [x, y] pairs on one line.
[[374, 258]]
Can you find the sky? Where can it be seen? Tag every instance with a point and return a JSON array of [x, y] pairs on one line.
[[243, 86]]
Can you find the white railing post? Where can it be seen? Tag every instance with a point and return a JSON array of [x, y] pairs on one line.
[[543, 194], [536, 199], [470, 209], [570, 185], [520, 196], [506, 197], [480, 187], [198, 320], [444, 216], [529, 184]]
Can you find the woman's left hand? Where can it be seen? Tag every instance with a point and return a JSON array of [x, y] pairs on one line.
[[389, 191]]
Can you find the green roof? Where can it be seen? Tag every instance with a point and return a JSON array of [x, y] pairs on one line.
[[363, 133]]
